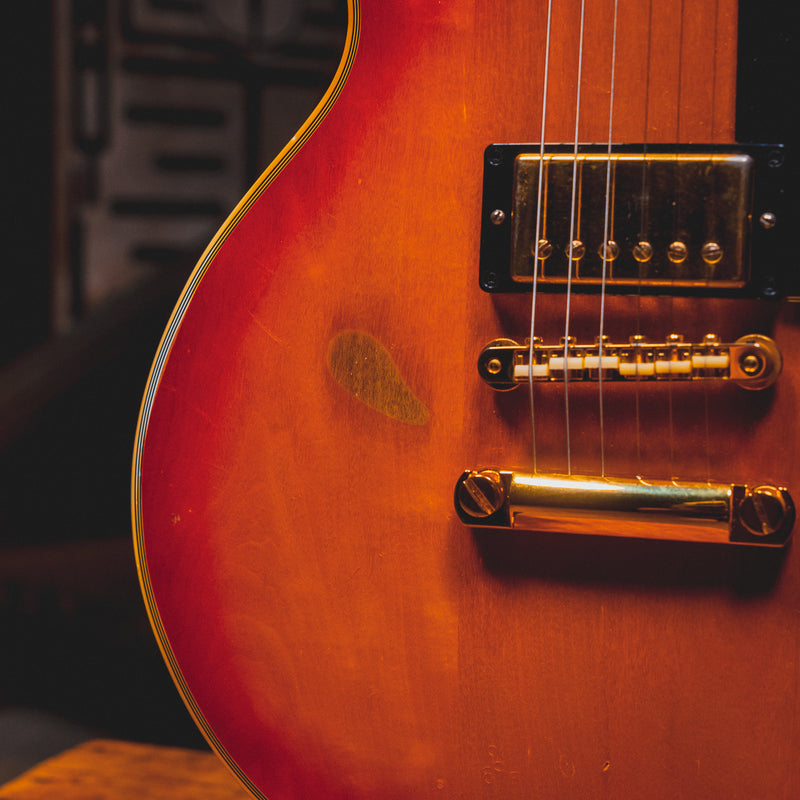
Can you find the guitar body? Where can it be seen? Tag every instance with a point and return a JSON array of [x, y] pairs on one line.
[[333, 627]]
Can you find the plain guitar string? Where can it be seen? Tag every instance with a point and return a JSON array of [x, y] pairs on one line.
[[645, 216], [607, 254], [538, 231], [713, 138], [608, 251], [571, 252]]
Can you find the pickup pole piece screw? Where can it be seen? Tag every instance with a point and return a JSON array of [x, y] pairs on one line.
[[711, 252], [608, 251], [578, 250], [543, 249], [677, 252], [643, 251]]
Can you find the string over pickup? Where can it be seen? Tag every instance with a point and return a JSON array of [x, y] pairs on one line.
[[699, 512], [753, 362]]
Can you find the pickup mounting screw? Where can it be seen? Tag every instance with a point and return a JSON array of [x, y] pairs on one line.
[[494, 155], [498, 216], [768, 220]]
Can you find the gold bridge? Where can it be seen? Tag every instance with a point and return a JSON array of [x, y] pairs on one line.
[[753, 362], [701, 512]]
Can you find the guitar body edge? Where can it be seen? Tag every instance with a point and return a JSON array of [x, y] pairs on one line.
[[332, 626]]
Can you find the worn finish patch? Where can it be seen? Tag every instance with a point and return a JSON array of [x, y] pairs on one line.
[[363, 366]]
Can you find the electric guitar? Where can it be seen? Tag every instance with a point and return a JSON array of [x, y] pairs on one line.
[[465, 466]]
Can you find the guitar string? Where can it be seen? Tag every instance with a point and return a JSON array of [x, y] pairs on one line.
[[606, 252], [713, 121], [643, 231], [677, 194], [571, 252], [538, 234]]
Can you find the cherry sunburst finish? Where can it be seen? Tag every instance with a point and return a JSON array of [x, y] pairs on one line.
[[333, 627]]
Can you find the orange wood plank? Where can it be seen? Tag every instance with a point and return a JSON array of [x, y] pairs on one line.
[[105, 769]]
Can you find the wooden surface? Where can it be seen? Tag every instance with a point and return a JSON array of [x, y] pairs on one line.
[[335, 630], [113, 770]]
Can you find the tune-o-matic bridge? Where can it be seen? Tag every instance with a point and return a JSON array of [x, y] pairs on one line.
[[652, 219], [701, 512], [753, 362]]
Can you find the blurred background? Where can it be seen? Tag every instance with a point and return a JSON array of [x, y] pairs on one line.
[[131, 128]]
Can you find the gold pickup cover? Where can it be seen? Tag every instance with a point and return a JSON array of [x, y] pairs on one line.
[[678, 220]]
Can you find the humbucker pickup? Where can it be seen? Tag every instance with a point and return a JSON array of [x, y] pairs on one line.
[[650, 219]]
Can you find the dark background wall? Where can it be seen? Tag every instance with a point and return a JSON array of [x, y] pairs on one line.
[[131, 128]]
